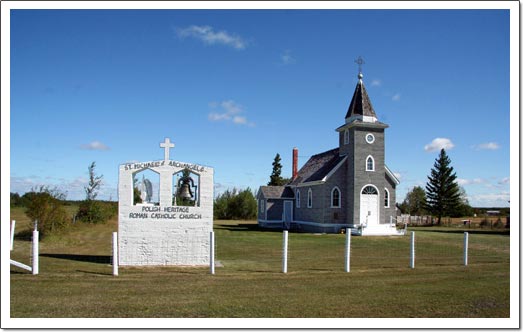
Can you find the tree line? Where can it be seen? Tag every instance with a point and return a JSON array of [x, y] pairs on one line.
[[46, 205]]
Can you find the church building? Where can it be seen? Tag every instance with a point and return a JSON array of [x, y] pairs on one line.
[[346, 187]]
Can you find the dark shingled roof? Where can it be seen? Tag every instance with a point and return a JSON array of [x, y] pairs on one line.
[[360, 103], [318, 166], [272, 192]]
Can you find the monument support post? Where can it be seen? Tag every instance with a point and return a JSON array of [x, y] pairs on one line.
[[412, 249], [466, 248], [347, 250], [35, 268], [285, 244], [115, 253], [211, 260], [13, 222]]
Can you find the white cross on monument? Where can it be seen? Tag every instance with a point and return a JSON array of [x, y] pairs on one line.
[[167, 145]]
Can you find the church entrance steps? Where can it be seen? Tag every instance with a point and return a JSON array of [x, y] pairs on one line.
[[378, 230]]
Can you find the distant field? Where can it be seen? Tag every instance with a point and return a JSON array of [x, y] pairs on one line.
[[75, 277]]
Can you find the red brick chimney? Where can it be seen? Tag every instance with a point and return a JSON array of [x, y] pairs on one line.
[[294, 163]]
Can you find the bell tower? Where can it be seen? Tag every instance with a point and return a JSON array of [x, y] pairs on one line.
[[362, 140]]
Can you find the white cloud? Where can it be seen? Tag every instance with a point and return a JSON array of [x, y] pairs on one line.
[[229, 112], [439, 143], [209, 36], [491, 200], [487, 146], [95, 145], [504, 180], [375, 82], [464, 182], [287, 58], [396, 97]]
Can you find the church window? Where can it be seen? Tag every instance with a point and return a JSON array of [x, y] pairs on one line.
[[369, 190], [387, 204], [262, 206], [298, 204], [309, 198], [335, 198], [369, 138], [370, 164], [346, 137]]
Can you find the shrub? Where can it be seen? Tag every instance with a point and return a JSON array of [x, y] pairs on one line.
[[235, 204], [46, 206], [498, 224], [484, 223], [96, 212]]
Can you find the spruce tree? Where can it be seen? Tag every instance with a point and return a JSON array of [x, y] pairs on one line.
[[276, 179], [442, 190]]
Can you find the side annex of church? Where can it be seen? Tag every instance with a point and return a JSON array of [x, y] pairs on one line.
[[349, 186]]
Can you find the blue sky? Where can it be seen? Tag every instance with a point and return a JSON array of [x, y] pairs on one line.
[[231, 88]]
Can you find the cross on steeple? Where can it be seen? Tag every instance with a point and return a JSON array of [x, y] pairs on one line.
[[360, 62], [167, 145]]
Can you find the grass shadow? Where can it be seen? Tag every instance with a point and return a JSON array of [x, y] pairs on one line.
[[245, 227], [100, 259], [25, 235], [470, 231]]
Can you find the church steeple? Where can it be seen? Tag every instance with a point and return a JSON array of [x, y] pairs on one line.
[[360, 107]]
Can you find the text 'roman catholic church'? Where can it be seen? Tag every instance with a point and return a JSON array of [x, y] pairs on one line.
[[348, 186]]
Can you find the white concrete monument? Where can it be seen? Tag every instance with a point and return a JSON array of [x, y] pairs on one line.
[[175, 230]]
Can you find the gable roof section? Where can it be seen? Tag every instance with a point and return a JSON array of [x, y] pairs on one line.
[[391, 175], [276, 192], [360, 103], [318, 167]]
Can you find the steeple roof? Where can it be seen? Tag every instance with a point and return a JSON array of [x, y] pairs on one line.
[[360, 106]]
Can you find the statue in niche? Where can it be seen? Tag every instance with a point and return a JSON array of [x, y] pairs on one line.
[[146, 190], [185, 195]]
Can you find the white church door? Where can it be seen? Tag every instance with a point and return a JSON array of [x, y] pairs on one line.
[[369, 207]]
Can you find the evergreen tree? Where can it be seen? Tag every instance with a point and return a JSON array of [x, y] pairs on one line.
[[276, 179], [443, 196]]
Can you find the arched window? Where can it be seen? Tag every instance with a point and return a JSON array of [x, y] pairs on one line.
[[369, 190], [335, 197], [369, 164], [309, 198], [298, 204], [262, 206], [346, 137], [387, 204]]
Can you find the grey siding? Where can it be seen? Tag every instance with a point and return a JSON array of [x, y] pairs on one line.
[[361, 150], [274, 209], [315, 213]]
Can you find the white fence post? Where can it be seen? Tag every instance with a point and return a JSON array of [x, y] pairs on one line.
[[466, 248], [13, 234], [211, 261], [115, 254], [35, 267], [347, 250], [412, 249], [285, 243]]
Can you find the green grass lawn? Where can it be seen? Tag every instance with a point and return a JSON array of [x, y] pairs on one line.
[[75, 277]]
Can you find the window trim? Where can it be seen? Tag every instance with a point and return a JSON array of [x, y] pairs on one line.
[[298, 198], [367, 164], [346, 137], [262, 206], [309, 198], [339, 198], [386, 195], [370, 138]]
